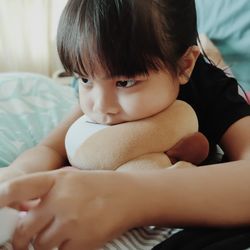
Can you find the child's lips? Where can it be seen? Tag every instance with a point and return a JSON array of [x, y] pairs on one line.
[[107, 120]]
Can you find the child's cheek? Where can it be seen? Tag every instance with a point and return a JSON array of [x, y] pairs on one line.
[[86, 104]]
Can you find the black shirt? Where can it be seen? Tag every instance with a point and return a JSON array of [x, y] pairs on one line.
[[215, 99]]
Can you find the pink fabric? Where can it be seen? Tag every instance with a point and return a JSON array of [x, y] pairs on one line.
[[247, 97]]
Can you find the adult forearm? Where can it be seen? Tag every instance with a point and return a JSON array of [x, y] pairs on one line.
[[212, 195]]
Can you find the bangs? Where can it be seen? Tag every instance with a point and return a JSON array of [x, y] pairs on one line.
[[120, 37]]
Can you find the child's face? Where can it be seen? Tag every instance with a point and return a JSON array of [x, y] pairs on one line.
[[119, 99]]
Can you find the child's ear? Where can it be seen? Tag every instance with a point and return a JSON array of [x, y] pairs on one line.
[[187, 63]]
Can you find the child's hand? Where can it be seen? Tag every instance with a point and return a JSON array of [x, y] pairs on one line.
[[8, 218], [78, 209], [193, 149]]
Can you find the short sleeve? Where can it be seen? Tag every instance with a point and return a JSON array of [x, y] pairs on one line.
[[215, 99]]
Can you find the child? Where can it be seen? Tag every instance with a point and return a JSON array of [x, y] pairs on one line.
[[135, 56]]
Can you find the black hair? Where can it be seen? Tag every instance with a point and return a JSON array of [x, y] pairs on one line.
[[125, 37]]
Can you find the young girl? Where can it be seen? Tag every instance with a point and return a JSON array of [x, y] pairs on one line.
[[133, 57]]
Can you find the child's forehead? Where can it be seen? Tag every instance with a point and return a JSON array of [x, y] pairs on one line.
[[96, 72]]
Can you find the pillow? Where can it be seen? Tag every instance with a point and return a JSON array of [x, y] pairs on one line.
[[31, 105], [227, 24]]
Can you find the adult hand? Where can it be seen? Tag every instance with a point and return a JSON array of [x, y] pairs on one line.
[[8, 173], [78, 209]]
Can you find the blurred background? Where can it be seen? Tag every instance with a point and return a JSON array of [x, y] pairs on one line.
[[28, 35]]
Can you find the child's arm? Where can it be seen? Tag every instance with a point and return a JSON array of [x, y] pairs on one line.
[[47, 155]]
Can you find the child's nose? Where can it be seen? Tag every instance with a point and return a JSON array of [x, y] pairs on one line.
[[106, 104]]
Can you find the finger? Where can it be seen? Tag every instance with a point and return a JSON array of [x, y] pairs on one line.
[[64, 245], [29, 226], [70, 244], [181, 164], [28, 205], [51, 237], [79, 245], [25, 188], [25, 206]]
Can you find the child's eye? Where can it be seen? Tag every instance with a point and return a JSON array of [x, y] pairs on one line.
[[85, 81], [125, 83]]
